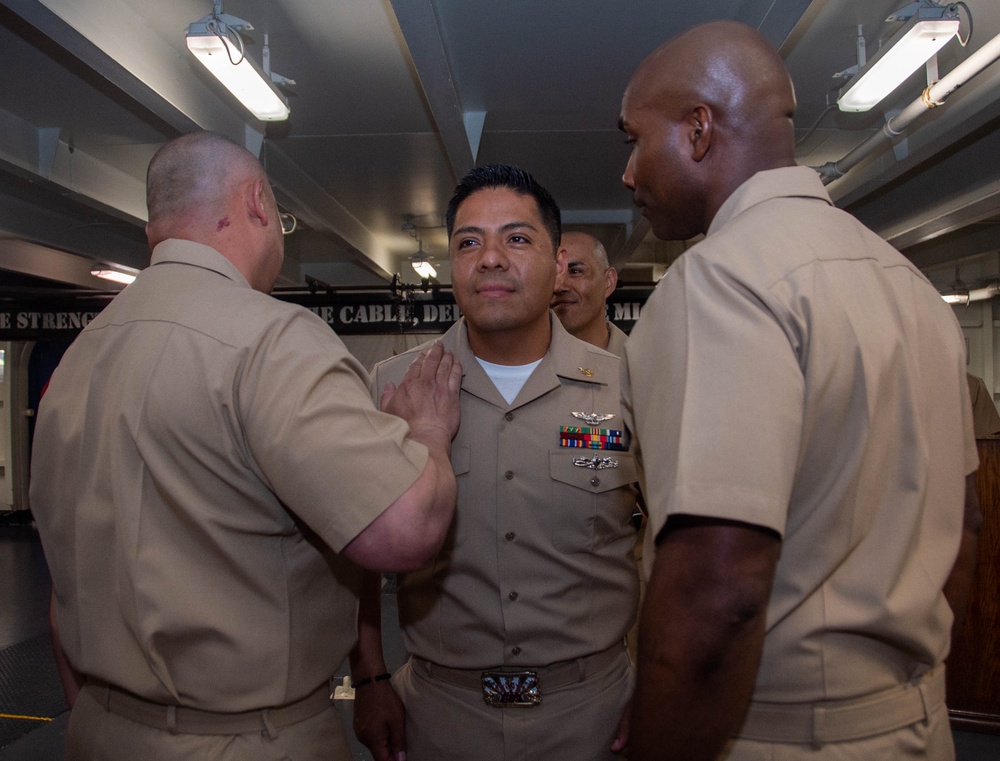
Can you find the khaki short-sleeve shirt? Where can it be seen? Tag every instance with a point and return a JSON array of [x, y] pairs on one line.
[[793, 371], [537, 567], [202, 451], [616, 340]]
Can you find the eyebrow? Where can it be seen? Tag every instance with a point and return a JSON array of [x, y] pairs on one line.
[[507, 227]]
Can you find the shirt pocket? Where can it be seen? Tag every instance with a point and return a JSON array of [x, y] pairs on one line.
[[590, 506], [461, 459]]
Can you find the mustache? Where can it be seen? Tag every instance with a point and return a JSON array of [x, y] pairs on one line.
[[494, 281]]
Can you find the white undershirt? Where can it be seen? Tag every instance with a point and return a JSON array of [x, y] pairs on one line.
[[509, 379]]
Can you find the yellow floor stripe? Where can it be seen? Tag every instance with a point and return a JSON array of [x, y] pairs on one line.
[[29, 718]]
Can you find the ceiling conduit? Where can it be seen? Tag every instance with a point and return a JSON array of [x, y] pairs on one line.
[[932, 97]]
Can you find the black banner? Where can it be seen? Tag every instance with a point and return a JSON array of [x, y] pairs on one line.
[[360, 313]]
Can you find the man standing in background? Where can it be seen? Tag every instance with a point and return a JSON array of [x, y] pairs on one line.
[[581, 302], [582, 290]]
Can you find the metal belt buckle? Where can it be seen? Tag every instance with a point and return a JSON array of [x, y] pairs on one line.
[[511, 688]]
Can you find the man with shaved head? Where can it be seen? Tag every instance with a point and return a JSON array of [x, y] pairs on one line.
[[206, 462], [582, 290], [805, 434]]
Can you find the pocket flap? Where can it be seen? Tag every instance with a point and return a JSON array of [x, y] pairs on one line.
[[601, 476]]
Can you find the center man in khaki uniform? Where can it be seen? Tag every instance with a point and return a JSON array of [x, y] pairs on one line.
[[516, 630]]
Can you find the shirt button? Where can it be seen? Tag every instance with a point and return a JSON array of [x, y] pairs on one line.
[[509, 536], [512, 596], [516, 650], [595, 481], [509, 475], [509, 416]]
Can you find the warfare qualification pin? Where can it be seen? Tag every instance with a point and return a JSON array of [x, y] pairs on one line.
[[595, 462], [586, 371], [592, 418]]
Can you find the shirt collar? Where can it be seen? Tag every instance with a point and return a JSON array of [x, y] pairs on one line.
[[786, 182], [179, 251], [567, 358]]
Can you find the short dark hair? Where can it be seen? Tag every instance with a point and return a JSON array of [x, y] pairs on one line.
[[512, 178], [194, 171]]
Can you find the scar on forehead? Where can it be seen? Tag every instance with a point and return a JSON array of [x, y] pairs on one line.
[[223, 223]]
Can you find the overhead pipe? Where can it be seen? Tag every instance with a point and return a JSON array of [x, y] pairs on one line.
[[978, 294], [932, 97]]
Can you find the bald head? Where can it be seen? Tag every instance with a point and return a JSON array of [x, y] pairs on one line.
[[585, 244], [705, 112], [583, 286], [203, 187], [194, 174]]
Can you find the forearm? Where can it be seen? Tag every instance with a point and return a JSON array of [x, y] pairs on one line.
[[429, 526], [689, 702], [379, 717], [410, 532], [367, 658], [700, 641]]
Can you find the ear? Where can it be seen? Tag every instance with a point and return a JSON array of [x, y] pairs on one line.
[[701, 125], [610, 281], [561, 256], [254, 199]]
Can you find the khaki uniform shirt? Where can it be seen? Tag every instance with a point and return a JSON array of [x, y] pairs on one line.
[[985, 419], [537, 567], [794, 371], [616, 340], [196, 447]]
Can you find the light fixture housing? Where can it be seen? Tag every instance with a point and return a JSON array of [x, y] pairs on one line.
[[116, 274], [422, 267], [956, 296], [921, 37], [959, 293], [215, 42]]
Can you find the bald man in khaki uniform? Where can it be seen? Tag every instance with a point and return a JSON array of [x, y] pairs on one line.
[[516, 630], [580, 301], [207, 465], [805, 433], [582, 290]]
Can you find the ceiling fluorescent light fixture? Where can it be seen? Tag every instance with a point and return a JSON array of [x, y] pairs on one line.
[[959, 294], [925, 32], [216, 42], [422, 267], [114, 274], [956, 297]]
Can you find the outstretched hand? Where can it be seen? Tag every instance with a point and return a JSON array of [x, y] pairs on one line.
[[428, 396]]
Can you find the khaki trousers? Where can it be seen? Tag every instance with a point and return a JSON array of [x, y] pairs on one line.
[[96, 734], [448, 722]]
